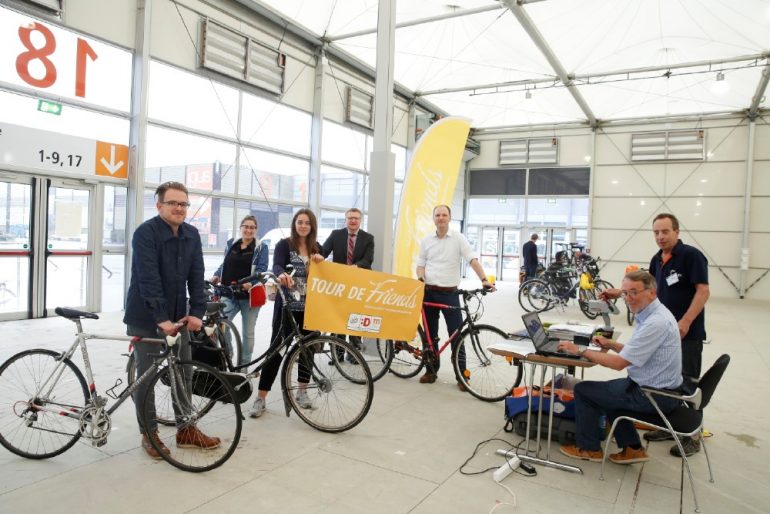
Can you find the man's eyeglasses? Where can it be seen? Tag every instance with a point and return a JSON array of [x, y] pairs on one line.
[[632, 293], [249, 227], [174, 204]]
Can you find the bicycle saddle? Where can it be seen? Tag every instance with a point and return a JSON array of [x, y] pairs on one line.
[[69, 313]]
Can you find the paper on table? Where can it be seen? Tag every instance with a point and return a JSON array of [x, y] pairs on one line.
[[583, 330], [522, 347]]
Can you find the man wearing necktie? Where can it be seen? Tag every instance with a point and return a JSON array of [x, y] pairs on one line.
[[350, 245]]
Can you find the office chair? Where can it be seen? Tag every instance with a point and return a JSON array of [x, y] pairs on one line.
[[684, 420]]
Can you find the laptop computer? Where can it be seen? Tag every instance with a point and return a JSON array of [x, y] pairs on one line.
[[543, 345]]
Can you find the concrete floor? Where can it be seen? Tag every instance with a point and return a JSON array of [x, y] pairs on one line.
[[405, 456]]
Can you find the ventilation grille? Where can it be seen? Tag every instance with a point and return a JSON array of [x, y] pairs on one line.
[[359, 108], [529, 151], [679, 145], [235, 55]]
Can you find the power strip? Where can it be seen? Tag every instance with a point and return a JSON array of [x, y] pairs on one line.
[[506, 469]]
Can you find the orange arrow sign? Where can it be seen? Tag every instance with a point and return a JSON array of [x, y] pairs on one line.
[[111, 160]]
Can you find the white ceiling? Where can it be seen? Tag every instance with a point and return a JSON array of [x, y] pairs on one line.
[[591, 39]]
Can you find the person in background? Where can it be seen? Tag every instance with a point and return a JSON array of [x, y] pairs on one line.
[[352, 246], [243, 258], [681, 274], [296, 251], [438, 265], [652, 358], [529, 253], [167, 263]]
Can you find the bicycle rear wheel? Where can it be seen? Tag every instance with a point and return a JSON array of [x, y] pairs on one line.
[[537, 295], [40, 424], [585, 296], [487, 376], [204, 406], [407, 357], [328, 398]]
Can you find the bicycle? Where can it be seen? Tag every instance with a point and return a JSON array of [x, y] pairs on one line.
[[561, 283], [341, 394], [486, 376], [46, 406]]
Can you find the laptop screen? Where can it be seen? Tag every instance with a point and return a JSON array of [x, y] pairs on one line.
[[535, 329]]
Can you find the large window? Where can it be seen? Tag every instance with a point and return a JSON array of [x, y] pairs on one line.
[[268, 175], [271, 124], [496, 211]]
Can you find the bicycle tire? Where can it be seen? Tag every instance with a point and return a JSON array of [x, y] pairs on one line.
[[585, 296], [227, 332], [377, 357], [166, 418], [536, 295], [407, 357], [39, 433], [338, 401], [487, 376], [212, 409]]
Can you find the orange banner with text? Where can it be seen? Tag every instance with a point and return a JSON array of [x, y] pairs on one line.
[[349, 300]]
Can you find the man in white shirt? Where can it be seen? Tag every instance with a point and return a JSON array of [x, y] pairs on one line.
[[439, 266]]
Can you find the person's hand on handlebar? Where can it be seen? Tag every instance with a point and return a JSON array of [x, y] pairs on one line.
[[609, 294], [193, 323], [214, 280], [285, 280], [170, 329], [487, 285]]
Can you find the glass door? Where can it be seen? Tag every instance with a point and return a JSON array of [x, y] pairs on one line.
[[68, 245], [498, 250], [15, 246]]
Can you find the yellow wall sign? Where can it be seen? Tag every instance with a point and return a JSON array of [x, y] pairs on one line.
[[348, 300], [430, 181]]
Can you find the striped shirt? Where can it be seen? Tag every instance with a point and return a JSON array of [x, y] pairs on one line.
[[655, 349]]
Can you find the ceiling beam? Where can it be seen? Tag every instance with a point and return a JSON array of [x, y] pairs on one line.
[[759, 94], [534, 34], [587, 77], [421, 21]]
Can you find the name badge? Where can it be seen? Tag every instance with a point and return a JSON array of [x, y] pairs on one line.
[[672, 279]]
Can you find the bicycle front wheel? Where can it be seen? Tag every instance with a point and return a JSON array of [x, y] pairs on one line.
[[536, 295], [407, 357], [487, 376], [376, 353], [206, 413], [330, 398], [230, 340], [35, 423]]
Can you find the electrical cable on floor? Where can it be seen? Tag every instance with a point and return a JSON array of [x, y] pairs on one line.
[[514, 447], [498, 503]]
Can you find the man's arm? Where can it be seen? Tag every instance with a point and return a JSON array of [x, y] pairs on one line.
[[328, 245], [150, 285], [702, 294], [608, 360], [366, 261], [476, 265], [420, 273], [195, 284]]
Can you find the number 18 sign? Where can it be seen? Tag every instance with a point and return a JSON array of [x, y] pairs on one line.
[[43, 56]]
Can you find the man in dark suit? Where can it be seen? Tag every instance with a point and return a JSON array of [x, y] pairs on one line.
[[352, 246]]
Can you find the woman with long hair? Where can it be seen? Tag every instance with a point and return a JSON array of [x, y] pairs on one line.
[[295, 250]]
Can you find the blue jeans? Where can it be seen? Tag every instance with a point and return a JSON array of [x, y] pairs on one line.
[[453, 319], [594, 399], [530, 270], [248, 322]]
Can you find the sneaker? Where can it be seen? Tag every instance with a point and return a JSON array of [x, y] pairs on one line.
[[303, 400], [571, 450], [428, 378], [658, 435], [629, 456], [150, 450], [691, 447], [192, 437], [258, 408]]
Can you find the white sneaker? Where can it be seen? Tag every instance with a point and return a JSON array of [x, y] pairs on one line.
[[258, 408], [303, 400]]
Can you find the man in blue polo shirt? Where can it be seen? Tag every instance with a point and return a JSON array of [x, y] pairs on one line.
[[681, 273], [652, 358]]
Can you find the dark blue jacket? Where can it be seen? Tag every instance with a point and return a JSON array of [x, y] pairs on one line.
[[164, 268]]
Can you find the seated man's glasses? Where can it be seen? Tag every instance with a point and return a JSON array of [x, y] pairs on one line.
[[632, 293], [174, 204]]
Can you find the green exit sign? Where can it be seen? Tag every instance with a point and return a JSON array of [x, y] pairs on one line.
[[51, 107]]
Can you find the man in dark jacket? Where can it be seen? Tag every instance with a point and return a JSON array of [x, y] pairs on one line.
[[529, 253], [167, 262]]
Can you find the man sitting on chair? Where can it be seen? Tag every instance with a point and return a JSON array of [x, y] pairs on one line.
[[653, 358]]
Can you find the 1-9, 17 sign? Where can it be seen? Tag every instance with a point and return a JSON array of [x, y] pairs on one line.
[[43, 56]]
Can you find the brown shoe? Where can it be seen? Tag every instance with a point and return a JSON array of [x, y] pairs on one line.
[[571, 450], [461, 386], [629, 456], [150, 450], [428, 378], [191, 437]]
